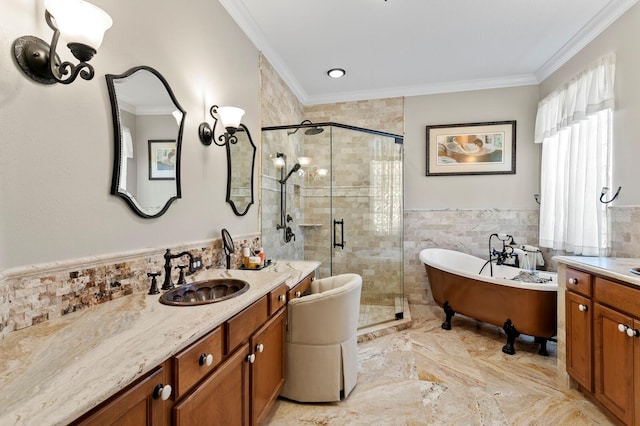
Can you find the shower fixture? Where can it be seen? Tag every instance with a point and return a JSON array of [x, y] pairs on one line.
[[310, 131], [284, 217]]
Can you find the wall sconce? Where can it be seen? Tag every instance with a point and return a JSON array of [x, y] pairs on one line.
[[230, 118], [79, 22]]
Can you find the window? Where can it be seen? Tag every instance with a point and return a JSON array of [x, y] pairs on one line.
[[574, 125]]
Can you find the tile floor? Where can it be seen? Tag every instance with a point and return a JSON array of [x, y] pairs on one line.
[[428, 376]]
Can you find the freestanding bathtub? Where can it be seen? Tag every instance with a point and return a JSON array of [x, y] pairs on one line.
[[458, 285]]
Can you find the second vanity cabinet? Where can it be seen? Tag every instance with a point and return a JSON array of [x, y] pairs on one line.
[[603, 342]]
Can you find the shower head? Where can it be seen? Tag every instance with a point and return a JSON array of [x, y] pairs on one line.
[[294, 169], [310, 131], [313, 131]]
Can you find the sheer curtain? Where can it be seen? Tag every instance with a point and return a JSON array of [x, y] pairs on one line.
[[574, 125]]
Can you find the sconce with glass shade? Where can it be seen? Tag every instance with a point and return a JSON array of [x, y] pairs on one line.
[[80, 23], [230, 117]]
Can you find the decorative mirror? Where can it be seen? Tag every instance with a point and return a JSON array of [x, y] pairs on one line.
[[148, 124], [241, 157]]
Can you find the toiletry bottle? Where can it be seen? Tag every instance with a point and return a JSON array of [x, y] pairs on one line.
[[246, 253], [262, 257]]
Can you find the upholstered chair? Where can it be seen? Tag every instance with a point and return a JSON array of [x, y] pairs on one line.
[[321, 351]]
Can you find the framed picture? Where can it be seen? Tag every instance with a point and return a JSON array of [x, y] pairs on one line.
[[471, 149], [162, 159]]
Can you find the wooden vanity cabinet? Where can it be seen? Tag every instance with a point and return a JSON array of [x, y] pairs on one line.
[[137, 405], [222, 399], [267, 370], [579, 321], [302, 288], [612, 378], [244, 387]]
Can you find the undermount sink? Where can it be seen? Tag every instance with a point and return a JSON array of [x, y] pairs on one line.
[[204, 292]]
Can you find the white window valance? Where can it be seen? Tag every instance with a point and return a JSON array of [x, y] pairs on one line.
[[589, 92]]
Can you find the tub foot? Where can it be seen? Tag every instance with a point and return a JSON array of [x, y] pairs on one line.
[[449, 313], [543, 345], [512, 333]]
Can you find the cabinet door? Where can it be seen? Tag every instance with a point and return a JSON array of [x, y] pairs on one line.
[[221, 399], [636, 372], [267, 371], [579, 319], [135, 406], [614, 362]]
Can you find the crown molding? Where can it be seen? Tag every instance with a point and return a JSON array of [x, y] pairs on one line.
[[245, 21], [600, 22], [429, 89], [608, 15]]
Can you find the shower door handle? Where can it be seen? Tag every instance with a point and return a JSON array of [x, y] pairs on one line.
[[335, 238]]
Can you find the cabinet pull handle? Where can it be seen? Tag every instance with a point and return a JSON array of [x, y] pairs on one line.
[[251, 358], [205, 359], [583, 308], [282, 298], [162, 392], [632, 332], [573, 281], [622, 328], [260, 348], [297, 294]]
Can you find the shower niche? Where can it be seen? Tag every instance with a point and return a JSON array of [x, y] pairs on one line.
[[342, 198]]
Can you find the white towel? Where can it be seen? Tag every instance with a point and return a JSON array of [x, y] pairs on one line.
[[536, 250]]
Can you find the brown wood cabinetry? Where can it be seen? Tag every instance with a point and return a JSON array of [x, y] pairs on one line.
[[230, 376], [267, 370], [579, 339], [222, 399], [138, 405], [611, 335], [302, 288]]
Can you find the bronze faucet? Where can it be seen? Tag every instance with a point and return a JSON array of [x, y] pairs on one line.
[[168, 283]]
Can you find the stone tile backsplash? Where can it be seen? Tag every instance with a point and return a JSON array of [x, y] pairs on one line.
[[35, 294]]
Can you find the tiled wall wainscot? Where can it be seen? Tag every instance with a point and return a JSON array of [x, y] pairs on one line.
[[33, 294]]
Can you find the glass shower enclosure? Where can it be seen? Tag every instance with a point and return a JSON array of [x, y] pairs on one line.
[[333, 193]]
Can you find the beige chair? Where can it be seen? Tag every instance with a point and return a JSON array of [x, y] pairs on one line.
[[321, 343]]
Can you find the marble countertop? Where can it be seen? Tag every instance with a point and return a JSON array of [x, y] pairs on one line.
[[610, 267], [53, 372]]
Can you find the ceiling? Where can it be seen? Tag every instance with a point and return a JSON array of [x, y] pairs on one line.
[[415, 47]]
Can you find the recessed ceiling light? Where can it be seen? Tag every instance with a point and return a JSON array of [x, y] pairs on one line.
[[336, 72]]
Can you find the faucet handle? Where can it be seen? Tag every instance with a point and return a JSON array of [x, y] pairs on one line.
[[154, 283], [181, 279]]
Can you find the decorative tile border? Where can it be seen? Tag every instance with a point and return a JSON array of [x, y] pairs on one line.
[[38, 293]]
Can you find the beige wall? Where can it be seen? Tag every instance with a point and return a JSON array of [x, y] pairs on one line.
[[472, 192], [56, 142], [622, 39]]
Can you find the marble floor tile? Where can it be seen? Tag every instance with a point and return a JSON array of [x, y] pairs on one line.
[[425, 375]]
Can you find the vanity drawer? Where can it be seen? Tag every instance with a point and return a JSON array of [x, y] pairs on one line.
[[618, 296], [240, 327], [277, 298], [578, 282], [300, 289], [190, 365]]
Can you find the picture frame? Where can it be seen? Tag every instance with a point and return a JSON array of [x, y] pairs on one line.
[[471, 149], [162, 159]]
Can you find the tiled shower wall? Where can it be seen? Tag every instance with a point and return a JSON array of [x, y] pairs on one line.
[[38, 293]]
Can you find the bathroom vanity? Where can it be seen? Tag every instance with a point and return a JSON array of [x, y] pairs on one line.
[[137, 361], [602, 323]]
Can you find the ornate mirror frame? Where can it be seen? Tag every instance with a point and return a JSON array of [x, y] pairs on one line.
[[118, 140]]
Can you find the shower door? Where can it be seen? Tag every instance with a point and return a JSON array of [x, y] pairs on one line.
[[366, 219], [345, 207]]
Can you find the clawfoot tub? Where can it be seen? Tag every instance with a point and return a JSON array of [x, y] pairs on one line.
[[458, 285]]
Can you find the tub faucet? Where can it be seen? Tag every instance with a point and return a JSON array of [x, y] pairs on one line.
[[168, 283]]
